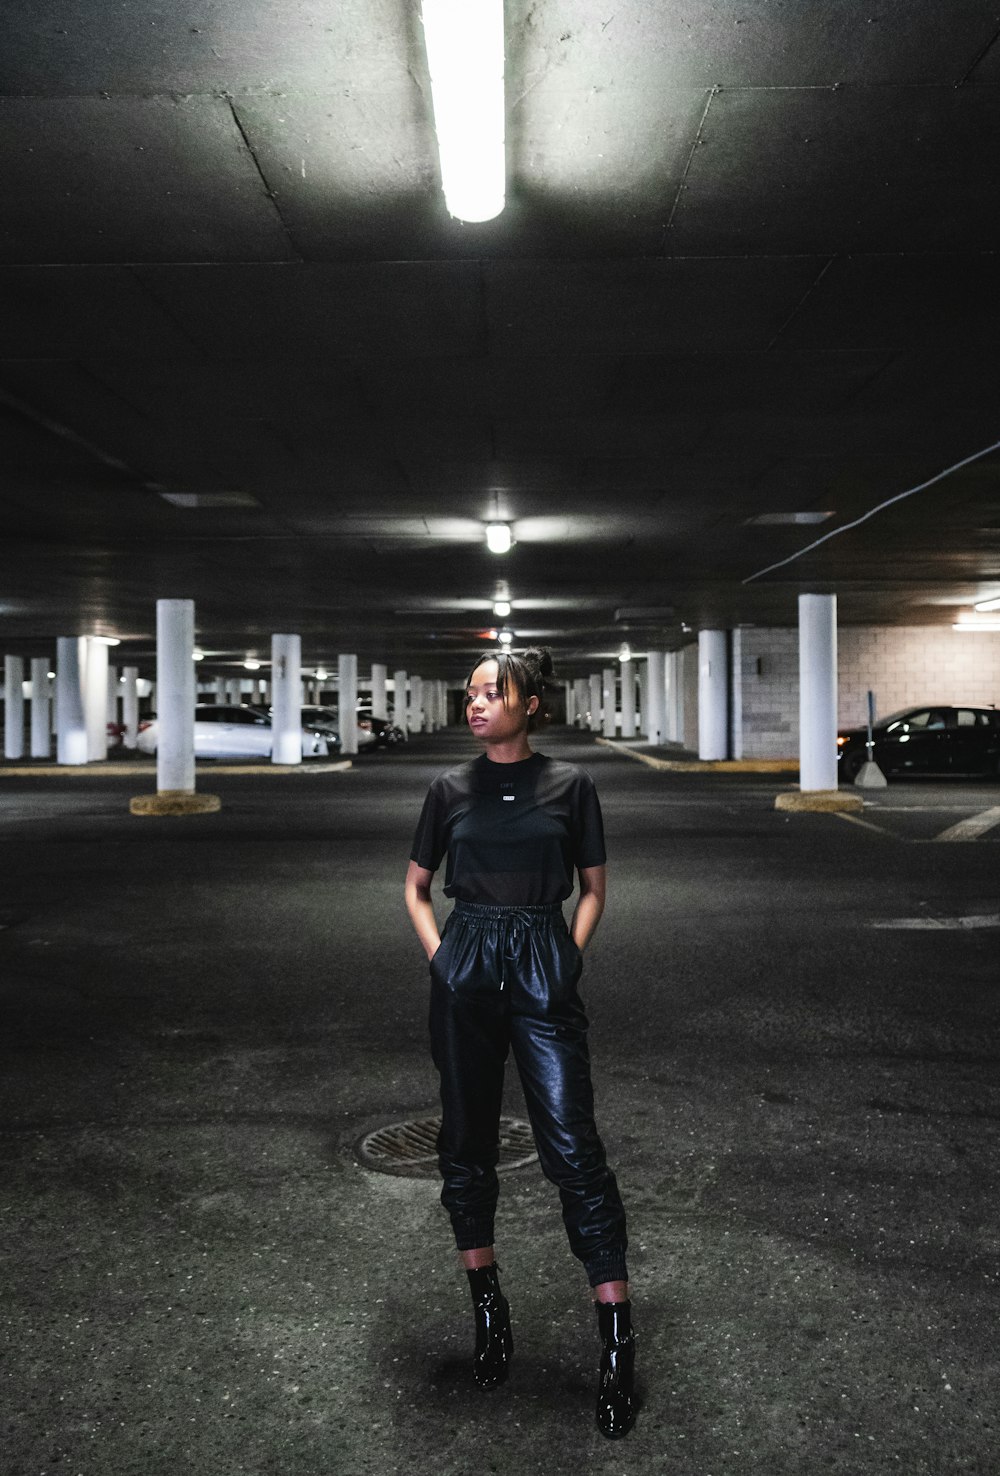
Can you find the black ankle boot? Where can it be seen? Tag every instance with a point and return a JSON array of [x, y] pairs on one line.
[[494, 1343], [615, 1406]]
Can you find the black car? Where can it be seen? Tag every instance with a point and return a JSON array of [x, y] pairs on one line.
[[373, 732], [926, 740]]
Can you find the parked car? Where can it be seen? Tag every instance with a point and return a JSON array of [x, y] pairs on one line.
[[373, 732], [238, 731], [926, 740]]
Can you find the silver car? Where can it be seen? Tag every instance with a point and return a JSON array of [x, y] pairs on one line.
[[236, 731]]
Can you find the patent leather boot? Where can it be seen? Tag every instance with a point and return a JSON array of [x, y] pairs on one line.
[[494, 1342], [615, 1404]]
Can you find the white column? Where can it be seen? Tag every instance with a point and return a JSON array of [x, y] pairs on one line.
[[655, 697], [13, 706], [286, 699], [579, 699], [609, 705], [380, 705], [114, 693], [95, 698], [713, 707], [130, 706], [570, 701], [71, 736], [41, 733], [416, 704], [627, 672], [175, 695], [235, 689], [400, 713], [220, 690], [594, 695], [347, 672], [674, 696], [817, 691]]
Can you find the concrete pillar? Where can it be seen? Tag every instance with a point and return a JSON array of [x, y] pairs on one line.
[[817, 692], [114, 692], [130, 706], [655, 697], [609, 705], [594, 698], [286, 699], [416, 704], [627, 673], [713, 703], [41, 732], [380, 704], [175, 695], [347, 672], [71, 737], [400, 699], [579, 700], [674, 696], [220, 690], [95, 698], [13, 706], [570, 688]]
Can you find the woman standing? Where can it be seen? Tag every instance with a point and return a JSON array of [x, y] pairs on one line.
[[516, 826]]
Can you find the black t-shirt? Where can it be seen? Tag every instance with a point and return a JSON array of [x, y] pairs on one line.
[[514, 833]]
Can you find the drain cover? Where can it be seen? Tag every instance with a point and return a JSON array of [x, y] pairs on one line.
[[410, 1148]]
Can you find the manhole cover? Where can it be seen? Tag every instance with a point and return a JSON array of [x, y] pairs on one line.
[[410, 1148]]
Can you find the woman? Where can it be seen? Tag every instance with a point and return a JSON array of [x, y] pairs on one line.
[[504, 969]]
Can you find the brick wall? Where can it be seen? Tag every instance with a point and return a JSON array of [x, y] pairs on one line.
[[901, 666]]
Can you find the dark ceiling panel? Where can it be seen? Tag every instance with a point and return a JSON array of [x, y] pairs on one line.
[[987, 69], [643, 307], [726, 43], [854, 169], [63, 46], [699, 384], [901, 302], [79, 311], [154, 179], [301, 310]]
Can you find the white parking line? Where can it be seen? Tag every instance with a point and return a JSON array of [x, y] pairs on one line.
[[973, 827], [987, 920]]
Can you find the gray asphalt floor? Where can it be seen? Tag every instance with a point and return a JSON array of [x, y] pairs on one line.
[[795, 1045]]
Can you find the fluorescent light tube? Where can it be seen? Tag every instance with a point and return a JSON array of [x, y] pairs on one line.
[[498, 539], [464, 42]]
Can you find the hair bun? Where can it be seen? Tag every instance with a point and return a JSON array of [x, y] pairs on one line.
[[539, 657]]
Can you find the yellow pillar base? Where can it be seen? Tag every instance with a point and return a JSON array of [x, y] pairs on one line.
[[175, 802], [831, 800]]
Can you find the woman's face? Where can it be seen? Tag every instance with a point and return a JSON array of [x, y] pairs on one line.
[[487, 715]]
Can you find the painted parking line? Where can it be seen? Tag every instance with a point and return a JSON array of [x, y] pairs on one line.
[[865, 824], [973, 827], [983, 920]]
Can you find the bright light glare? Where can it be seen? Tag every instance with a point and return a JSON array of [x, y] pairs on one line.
[[506, 637], [988, 605], [977, 625], [321, 674], [502, 608], [498, 539], [197, 654], [464, 41], [251, 665], [108, 640], [625, 654]]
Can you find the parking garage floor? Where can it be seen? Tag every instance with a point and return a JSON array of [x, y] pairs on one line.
[[795, 1042]]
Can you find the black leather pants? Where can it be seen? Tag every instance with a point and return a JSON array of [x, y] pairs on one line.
[[506, 977]]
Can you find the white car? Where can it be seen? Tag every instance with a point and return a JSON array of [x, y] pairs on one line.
[[237, 731]]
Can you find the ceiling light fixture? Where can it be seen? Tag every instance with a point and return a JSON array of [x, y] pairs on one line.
[[977, 625], [505, 637], [498, 538], [464, 44], [321, 674], [197, 654], [984, 605], [625, 654], [502, 608], [107, 640], [251, 665]]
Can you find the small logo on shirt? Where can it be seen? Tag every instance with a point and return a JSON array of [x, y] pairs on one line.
[[507, 796]]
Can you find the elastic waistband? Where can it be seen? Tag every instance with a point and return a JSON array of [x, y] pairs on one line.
[[499, 912]]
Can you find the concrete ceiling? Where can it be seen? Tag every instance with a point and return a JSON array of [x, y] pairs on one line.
[[747, 267]]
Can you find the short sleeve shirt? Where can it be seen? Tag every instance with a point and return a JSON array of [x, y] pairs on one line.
[[513, 833]]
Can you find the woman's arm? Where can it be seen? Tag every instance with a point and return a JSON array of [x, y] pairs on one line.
[[418, 904], [590, 904]]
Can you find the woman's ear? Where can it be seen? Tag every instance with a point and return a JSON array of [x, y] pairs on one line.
[[532, 706]]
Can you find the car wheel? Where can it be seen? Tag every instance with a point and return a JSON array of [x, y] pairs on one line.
[[852, 763]]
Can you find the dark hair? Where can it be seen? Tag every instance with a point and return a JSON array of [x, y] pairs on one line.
[[528, 672]]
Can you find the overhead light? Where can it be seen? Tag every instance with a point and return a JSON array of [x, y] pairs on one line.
[[251, 665], [795, 518], [977, 625], [625, 654], [988, 604], [498, 539], [210, 499], [197, 654], [505, 637], [464, 43], [502, 608], [51, 675], [107, 640], [321, 675]]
